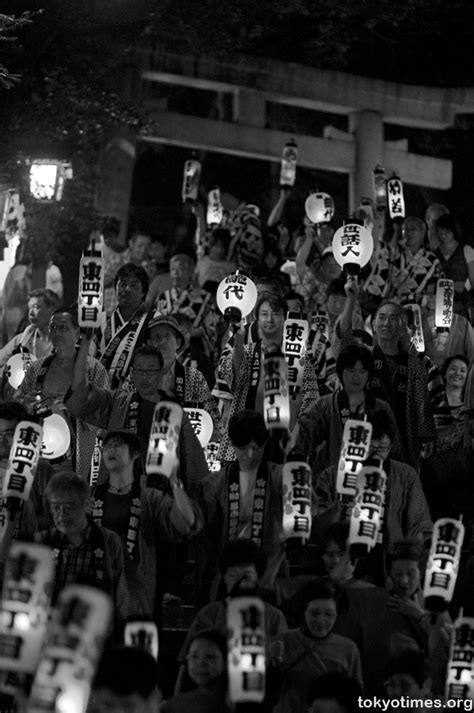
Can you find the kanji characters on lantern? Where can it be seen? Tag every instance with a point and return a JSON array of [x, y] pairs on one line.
[[444, 304], [369, 503], [215, 211], [16, 368], [417, 337], [191, 178], [319, 207], [143, 635], [162, 456], [24, 455], [276, 397], [246, 649], [201, 422], [295, 336], [91, 287], [396, 201], [211, 453], [355, 449], [352, 246], [28, 579], [236, 296], [296, 488], [460, 672], [443, 563]]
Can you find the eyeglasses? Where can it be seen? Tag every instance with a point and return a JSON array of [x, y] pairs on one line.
[[146, 372], [67, 508]]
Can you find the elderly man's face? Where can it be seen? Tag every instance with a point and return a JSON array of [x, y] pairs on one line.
[[68, 509], [181, 272]]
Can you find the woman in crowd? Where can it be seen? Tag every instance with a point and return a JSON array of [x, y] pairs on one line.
[[457, 264], [321, 429]]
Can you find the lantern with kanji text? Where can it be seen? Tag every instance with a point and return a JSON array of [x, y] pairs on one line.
[[246, 649], [17, 366], [276, 396], [319, 208], [460, 671], [396, 201], [215, 211], [47, 178], [91, 287], [162, 456], [355, 448], [191, 178], [352, 246], [444, 305], [142, 635], [236, 297], [368, 511], [443, 563], [201, 422], [296, 489]]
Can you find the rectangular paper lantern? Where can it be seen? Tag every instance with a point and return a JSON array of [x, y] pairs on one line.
[[417, 338], [460, 673], [22, 463], [369, 502], [276, 399], [91, 288], [143, 635], [355, 449], [444, 304], [246, 649], [162, 455], [396, 201], [295, 336], [443, 563], [296, 485]]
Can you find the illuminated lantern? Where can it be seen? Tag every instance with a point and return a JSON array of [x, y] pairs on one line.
[[74, 644], [276, 397], [443, 563], [352, 246], [380, 188], [201, 422], [246, 649], [162, 455], [191, 177], [143, 635], [319, 207], [367, 514], [396, 201], [91, 288], [460, 672], [236, 297], [296, 487], [56, 437], [211, 452], [444, 304], [215, 211], [27, 587], [295, 336], [417, 337], [289, 160], [16, 368], [47, 179], [355, 448], [22, 462]]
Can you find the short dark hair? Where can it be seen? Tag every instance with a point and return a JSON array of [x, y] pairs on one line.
[[148, 351], [447, 362], [449, 222], [71, 311], [336, 287], [214, 636], [246, 426], [394, 303], [129, 439], [412, 550], [293, 295], [133, 271], [410, 662], [242, 551], [276, 302], [125, 670], [50, 298], [13, 411], [352, 354], [338, 532], [383, 425], [339, 686], [69, 482], [318, 588], [220, 235]]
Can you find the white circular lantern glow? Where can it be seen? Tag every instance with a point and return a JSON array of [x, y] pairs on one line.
[[16, 368], [319, 207], [56, 437], [236, 296], [352, 246], [201, 423]]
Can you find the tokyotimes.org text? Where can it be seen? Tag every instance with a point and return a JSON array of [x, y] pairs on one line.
[[408, 703]]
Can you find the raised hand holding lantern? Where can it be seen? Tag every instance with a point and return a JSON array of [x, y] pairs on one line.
[[352, 246], [236, 297], [289, 160], [319, 207]]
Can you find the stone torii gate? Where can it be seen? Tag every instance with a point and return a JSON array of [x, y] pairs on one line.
[[252, 82]]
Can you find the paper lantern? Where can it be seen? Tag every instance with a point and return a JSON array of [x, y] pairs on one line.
[[56, 437], [211, 453], [142, 635], [162, 456], [319, 207], [295, 337], [369, 502], [215, 211], [443, 563], [289, 160], [296, 488], [396, 201], [246, 649], [444, 304], [380, 188], [236, 297], [417, 337], [47, 178], [16, 368], [276, 396], [27, 587], [79, 627], [202, 424], [355, 448], [352, 246], [460, 672], [191, 177], [22, 462], [91, 288]]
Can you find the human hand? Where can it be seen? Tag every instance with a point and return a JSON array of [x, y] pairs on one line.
[[405, 607], [351, 288], [427, 449]]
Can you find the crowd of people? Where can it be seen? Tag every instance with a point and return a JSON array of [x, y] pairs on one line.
[[338, 624]]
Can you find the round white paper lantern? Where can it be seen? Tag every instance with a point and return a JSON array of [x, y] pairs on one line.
[[236, 296], [202, 424], [319, 207], [352, 246], [16, 368], [56, 437]]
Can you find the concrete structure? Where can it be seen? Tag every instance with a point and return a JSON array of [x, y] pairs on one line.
[[252, 82]]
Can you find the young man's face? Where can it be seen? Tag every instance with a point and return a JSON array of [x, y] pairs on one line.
[[146, 375], [249, 456], [7, 431], [406, 577]]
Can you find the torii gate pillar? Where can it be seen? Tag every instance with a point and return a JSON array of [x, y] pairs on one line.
[[367, 129]]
